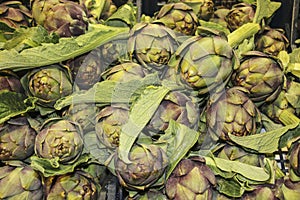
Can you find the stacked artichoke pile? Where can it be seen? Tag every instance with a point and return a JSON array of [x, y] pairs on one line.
[[193, 102]]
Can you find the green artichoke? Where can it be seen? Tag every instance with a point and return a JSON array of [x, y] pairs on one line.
[[191, 179], [239, 15], [178, 16], [287, 100], [264, 192], [176, 106], [16, 139], [63, 17], [271, 41], [294, 161], [290, 190], [20, 182], [61, 140], [75, 186], [232, 112], [10, 81], [208, 69], [109, 122], [84, 114], [261, 74], [86, 69], [125, 71], [48, 84], [147, 165], [151, 44], [219, 16], [13, 14]]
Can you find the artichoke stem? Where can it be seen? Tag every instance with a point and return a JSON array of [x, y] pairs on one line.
[[288, 118], [239, 35]]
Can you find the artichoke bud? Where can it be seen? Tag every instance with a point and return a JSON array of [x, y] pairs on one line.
[[148, 164], [16, 139], [178, 16], [109, 123], [63, 17], [261, 74], [204, 9], [294, 161], [191, 179], [239, 15], [125, 72], [86, 69], [210, 68], [48, 84], [263, 192], [271, 41], [152, 45], [61, 139], [77, 185], [13, 15], [10, 81], [19, 181], [176, 106], [233, 112]]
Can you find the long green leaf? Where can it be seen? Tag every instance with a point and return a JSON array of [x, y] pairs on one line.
[[141, 113], [66, 48], [265, 142], [265, 9]]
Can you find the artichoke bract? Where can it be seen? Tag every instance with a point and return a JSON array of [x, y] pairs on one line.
[[261, 74], [10, 81], [13, 14], [271, 41], [239, 15], [60, 139], [16, 139], [232, 112], [148, 164], [287, 100], [63, 17], [86, 69], [48, 84], [176, 106], [178, 16], [109, 122], [204, 63], [151, 44], [20, 181], [77, 185], [191, 179]]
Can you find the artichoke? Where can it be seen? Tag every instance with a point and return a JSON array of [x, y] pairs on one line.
[[61, 140], [191, 179], [20, 181], [219, 16], [176, 106], [86, 69], [147, 165], [16, 139], [10, 81], [48, 84], [97, 10], [109, 122], [287, 100], [261, 74], [125, 71], [239, 15], [178, 16], [151, 44], [84, 114], [208, 69], [294, 161], [13, 14], [271, 41], [232, 112], [63, 17], [76, 186], [261, 193]]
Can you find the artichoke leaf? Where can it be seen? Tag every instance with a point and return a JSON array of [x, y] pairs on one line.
[[13, 104], [264, 142], [51, 167], [177, 141], [230, 187], [125, 15], [265, 9], [66, 48], [141, 112]]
